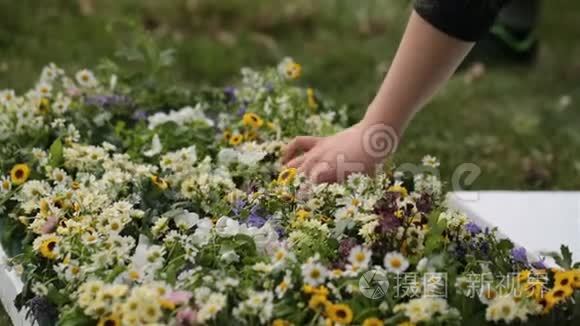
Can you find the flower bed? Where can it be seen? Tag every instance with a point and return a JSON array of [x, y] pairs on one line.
[[126, 203]]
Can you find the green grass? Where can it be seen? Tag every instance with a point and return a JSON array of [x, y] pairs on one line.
[[508, 122], [4, 319]]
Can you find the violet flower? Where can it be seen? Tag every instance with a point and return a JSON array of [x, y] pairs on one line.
[[242, 110], [519, 254], [230, 93], [389, 222], [473, 228], [108, 101], [540, 264], [238, 206], [139, 115], [255, 219]]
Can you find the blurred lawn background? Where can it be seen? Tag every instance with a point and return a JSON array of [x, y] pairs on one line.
[[510, 121]]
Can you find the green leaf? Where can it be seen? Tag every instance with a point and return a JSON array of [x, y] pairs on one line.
[[56, 297], [566, 261], [436, 228], [74, 317], [167, 57], [56, 153], [245, 244]]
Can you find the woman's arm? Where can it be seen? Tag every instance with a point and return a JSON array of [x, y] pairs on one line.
[[438, 36], [426, 58]]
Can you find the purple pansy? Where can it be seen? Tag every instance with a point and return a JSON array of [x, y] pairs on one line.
[[107, 101], [230, 93], [255, 219], [472, 228], [519, 254], [139, 115]]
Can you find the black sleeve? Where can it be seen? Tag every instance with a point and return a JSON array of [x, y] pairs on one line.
[[467, 20]]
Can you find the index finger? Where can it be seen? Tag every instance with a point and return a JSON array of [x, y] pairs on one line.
[[298, 144]]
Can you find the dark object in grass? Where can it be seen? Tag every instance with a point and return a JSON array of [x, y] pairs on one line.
[[40, 310]]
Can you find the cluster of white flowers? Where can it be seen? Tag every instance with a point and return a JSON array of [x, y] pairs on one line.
[[424, 309], [181, 117], [139, 231]]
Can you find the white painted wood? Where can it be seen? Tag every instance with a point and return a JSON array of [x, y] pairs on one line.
[[10, 286], [539, 221]]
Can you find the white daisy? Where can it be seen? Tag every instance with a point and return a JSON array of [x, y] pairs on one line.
[[395, 262], [284, 285], [314, 273], [86, 78], [502, 309], [7, 96], [5, 184], [430, 161], [360, 256], [44, 89]]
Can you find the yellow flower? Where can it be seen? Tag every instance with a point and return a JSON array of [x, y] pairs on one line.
[[160, 183], [399, 214], [312, 103], [400, 189], [111, 320], [134, 275], [166, 304], [227, 135], [250, 135], [281, 322], [406, 323], [287, 197], [339, 313], [272, 125], [562, 292], [321, 290], [373, 321], [302, 214], [523, 276], [308, 289], [293, 70], [287, 176], [549, 301], [236, 139], [564, 278], [44, 105], [253, 120], [48, 247], [20, 173], [576, 283], [318, 302], [75, 185]]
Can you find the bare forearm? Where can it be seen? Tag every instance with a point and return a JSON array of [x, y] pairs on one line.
[[425, 60]]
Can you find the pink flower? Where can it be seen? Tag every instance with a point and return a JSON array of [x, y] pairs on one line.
[[49, 225], [186, 317], [73, 91], [179, 297]]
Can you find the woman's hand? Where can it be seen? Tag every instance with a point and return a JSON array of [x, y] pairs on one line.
[[361, 148]]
